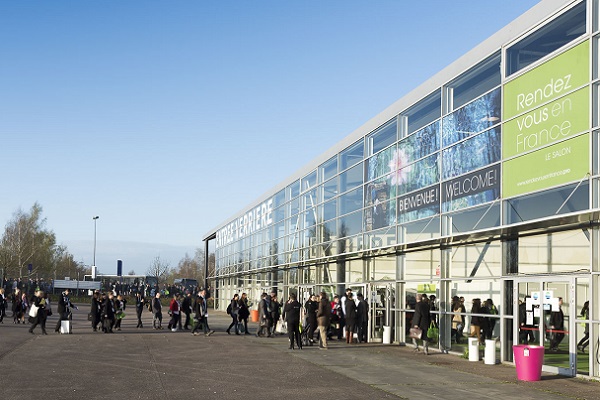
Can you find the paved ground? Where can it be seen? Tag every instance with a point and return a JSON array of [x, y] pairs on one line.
[[148, 364]]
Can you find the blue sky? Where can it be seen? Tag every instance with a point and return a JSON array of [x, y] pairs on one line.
[[167, 118]]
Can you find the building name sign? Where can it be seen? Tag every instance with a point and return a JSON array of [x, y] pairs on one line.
[[255, 219]]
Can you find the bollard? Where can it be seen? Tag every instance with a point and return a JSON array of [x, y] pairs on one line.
[[387, 335], [490, 352], [473, 349]]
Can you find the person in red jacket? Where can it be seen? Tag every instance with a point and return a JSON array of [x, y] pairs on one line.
[[175, 311]]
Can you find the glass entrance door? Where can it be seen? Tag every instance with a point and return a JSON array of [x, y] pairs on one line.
[[546, 317]]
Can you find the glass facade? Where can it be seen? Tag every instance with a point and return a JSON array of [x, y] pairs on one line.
[[480, 189]]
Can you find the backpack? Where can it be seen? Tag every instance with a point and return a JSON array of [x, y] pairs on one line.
[[229, 309]]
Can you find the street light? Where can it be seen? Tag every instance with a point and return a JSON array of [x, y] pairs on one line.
[[95, 219]]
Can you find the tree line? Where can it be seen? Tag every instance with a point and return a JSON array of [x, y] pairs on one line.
[[29, 250]]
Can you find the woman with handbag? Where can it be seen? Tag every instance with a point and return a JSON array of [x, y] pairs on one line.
[[37, 313], [421, 321]]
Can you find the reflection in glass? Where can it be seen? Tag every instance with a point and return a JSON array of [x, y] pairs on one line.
[[420, 144], [472, 118], [418, 175], [469, 155], [548, 203]]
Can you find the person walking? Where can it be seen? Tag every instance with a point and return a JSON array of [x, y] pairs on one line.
[[557, 326], [291, 314], [275, 311], [233, 311], [585, 340], [108, 313], [16, 306], [139, 308], [350, 312], [323, 319], [37, 313], [362, 319], [264, 316], [157, 311], [476, 321], [422, 319], [63, 309], [2, 305], [244, 312], [96, 310], [120, 304], [175, 311], [311, 306], [186, 308], [200, 311]]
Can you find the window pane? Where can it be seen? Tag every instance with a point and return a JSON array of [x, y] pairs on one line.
[[469, 155], [351, 155], [351, 178], [424, 112], [381, 164], [383, 137], [351, 201], [350, 224], [309, 181], [329, 168], [475, 82], [330, 210], [330, 189], [475, 219], [549, 38], [472, 118], [548, 203]]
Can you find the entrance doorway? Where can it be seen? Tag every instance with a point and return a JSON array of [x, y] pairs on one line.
[[546, 314]]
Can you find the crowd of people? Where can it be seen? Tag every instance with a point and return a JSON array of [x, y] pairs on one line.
[[341, 318], [319, 319]]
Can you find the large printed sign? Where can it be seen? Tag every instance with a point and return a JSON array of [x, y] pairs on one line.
[[555, 121], [549, 81], [475, 188], [558, 164], [253, 220], [544, 107]]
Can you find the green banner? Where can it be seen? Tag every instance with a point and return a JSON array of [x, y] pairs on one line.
[[551, 80], [554, 165], [555, 121]]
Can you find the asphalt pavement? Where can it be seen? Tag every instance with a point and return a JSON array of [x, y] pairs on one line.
[[149, 364]]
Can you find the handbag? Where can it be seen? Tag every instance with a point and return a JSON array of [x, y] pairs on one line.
[[33, 311], [281, 327], [415, 333], [433, 332]]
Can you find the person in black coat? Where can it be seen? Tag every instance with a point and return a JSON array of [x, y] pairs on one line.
[[291, 314], [422, 319], [40, 302], [64, 309], [96, 310], [350, 318], [186, 308], [139, 308], [108, 313], [362, 319], [244, 312], [311, 307]]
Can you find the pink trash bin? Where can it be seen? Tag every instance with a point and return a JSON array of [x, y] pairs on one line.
[[528, 362]]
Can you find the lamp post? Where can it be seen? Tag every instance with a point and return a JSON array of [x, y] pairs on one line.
[[95, 220]]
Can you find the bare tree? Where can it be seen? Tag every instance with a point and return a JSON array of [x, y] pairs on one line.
[[159, 269]]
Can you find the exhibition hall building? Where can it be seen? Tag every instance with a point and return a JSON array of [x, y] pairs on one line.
[[479, 186]]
